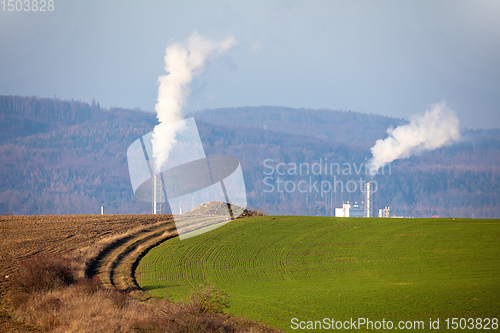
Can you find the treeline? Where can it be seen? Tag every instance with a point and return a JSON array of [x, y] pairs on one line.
[[45, 110], [73, 160], [347, 127], [21, 116]]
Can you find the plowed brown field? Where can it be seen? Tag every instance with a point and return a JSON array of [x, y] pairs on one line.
[[25, 236]]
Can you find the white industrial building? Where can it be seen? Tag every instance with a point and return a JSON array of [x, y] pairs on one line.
[[365, 209], [384, 212], [349, 210], [356, 210]]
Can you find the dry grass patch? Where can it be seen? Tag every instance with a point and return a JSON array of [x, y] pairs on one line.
[[87, 307]]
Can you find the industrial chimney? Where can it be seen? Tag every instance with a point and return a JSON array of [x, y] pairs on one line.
[[368, 199], [157, 194]]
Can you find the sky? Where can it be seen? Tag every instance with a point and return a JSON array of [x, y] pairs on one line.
[[393, 58]]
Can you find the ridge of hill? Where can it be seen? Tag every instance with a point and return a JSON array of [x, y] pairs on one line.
[[346, 127]]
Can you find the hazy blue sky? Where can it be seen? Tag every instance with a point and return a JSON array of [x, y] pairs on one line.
[[385, 57]]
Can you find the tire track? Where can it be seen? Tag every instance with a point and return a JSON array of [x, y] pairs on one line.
[[115, 265]]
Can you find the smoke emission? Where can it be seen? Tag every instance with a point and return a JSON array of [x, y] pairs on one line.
[[183, 61], [437, 127]]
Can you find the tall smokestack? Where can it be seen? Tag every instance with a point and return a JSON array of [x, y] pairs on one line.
[[368, 199], [157, 194]]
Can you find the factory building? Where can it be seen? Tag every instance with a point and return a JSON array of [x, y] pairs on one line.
[[365, 209], [349, 210], [384, 212]]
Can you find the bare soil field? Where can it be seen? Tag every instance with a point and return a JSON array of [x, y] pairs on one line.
[[25, 236]]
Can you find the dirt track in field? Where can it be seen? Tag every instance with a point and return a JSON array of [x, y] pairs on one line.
[[25, 236], [115, 264]]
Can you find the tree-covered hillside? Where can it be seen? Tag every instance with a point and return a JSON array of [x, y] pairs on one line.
[[70, 157]]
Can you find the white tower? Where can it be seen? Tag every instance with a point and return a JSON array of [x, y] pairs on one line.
[[368, 199], [157, 194]]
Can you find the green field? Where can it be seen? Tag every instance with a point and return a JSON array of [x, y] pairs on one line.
[[276, 268]]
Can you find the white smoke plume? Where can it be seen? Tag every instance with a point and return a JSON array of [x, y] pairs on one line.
[[437, 127], [183, 61]]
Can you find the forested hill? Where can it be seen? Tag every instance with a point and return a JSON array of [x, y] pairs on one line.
[[69, 157], [22, 116], [347, 127]]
